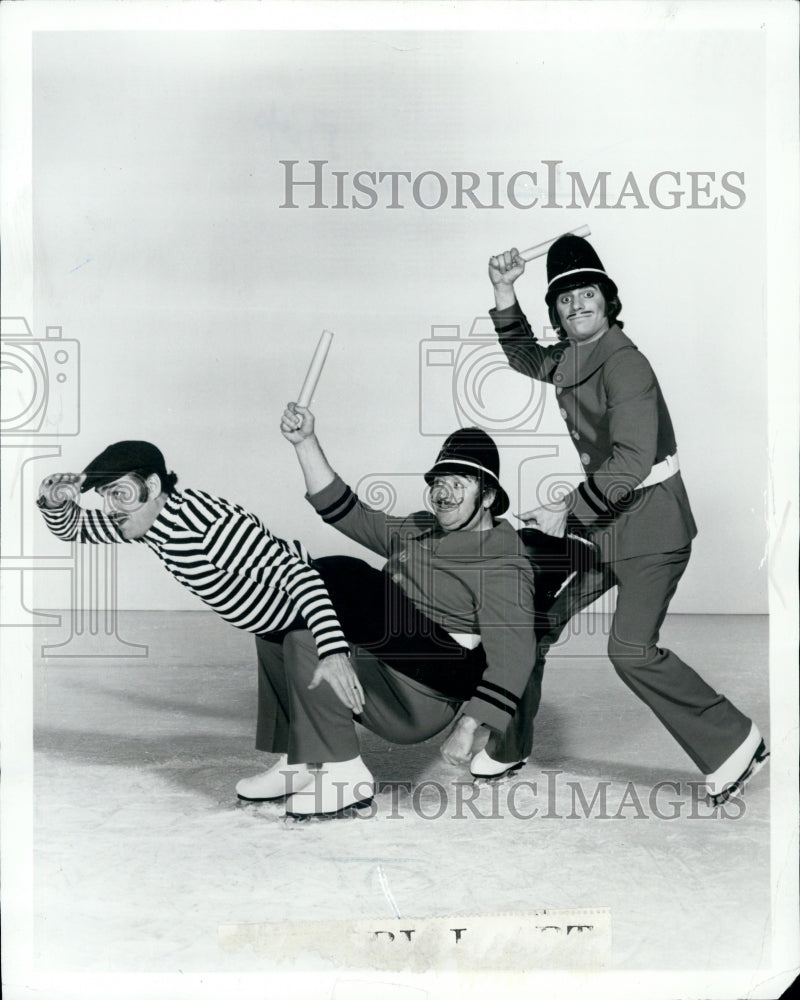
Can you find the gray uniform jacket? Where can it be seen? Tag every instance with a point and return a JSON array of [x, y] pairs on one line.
[[615, 412]]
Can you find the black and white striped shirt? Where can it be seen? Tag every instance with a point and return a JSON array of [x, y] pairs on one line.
[[228, 558]]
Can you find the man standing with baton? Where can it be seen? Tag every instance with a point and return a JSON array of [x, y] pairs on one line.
[[632, 505]]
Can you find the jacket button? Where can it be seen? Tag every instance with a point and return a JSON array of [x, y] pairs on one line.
[[563, 412], [585, 459], [558, 377]]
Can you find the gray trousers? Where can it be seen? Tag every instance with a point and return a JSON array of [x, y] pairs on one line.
[[315, 727], [705, 723]]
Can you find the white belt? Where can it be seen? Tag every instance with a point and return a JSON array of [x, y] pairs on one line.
[[466, 639], [660, 472]]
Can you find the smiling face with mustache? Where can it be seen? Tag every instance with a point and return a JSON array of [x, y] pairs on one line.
[[582, 313], [460, 504]]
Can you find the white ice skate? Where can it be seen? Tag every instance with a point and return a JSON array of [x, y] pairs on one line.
[[333, 789], [280, 780], [485, 768], [730, 776]]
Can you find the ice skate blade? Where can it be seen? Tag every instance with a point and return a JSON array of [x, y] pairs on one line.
[[737, 787], [274, 798], [348, 812]]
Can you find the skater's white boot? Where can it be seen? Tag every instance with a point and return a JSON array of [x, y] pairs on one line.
[[729, 778], [335, 787], [280, 780], [486, 768]]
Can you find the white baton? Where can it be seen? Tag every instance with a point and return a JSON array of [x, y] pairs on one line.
[[315, 368]]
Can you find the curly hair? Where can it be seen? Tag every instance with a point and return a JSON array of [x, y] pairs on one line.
[[168, 482]]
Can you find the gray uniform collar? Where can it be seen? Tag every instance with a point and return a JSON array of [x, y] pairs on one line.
[[578, 363]]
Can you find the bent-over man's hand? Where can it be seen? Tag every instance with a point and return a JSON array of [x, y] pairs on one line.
[[60, 487], [457, 748], [337, 670], [552, 520]]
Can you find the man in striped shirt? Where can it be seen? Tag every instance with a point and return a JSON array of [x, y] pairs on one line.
[[216, 549]]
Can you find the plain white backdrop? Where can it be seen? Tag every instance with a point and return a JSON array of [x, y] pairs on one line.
[[160, 244]]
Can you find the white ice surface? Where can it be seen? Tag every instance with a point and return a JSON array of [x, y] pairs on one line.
[[142, 850]]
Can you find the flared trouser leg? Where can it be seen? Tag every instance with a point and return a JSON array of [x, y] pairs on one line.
[[705, 723]]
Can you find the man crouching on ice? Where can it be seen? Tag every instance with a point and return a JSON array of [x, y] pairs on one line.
[[448, 622]]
